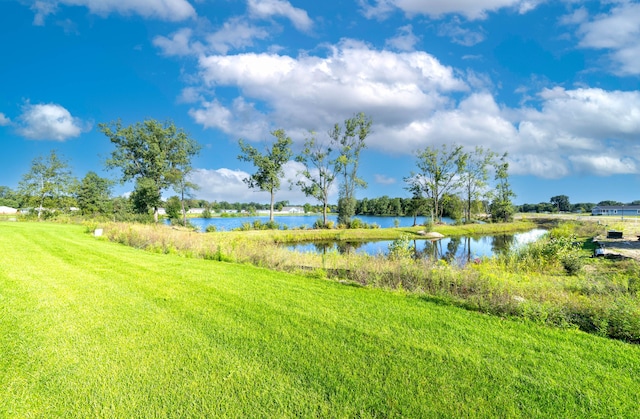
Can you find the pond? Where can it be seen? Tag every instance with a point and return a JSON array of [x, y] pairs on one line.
[[456, 250], [299, 221]]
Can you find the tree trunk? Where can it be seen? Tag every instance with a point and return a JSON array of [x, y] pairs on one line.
[[324, 214], [271, 208]]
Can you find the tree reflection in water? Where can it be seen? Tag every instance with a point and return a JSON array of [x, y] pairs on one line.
[[458, 250]]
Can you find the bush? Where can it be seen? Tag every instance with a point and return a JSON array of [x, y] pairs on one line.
[[401, 248], [572, 262], [210, 229], [357, 223]]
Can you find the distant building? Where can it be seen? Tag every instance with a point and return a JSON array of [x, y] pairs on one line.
[[619, 210], [293, 210], [198, 211], [7, 210]]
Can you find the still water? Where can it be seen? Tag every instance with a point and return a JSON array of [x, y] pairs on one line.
[[299, 221], [457, 250]]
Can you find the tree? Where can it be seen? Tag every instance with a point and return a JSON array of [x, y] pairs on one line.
[[145, 197], [417, 204], [561, 202], [350, 143], [181, 173], [475, 177], [153, 151], [8, 197], [269, 165], [317, 175], [47, 183], [439, 174], [501, 207], [94, 195], [173, 207]]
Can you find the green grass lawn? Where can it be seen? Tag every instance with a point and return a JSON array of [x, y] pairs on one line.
[[90, 328]]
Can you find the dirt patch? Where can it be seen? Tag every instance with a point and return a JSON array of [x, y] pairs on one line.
[[628, 246]]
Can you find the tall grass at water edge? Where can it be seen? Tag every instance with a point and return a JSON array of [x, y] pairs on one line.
[[552, 281]]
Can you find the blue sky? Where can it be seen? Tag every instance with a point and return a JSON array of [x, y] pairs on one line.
[[556, 84]]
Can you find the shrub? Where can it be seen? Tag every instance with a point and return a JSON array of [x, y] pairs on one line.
[[400, 249], [357, 223], [210, 229], [572, 262]]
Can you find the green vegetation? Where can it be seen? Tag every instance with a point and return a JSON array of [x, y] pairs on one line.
[[110, 331], [551, 282], [269, 166]]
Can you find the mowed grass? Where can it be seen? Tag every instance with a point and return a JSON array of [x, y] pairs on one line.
[[90, 328]]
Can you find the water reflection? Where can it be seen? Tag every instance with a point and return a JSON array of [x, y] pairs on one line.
[[455, 250]]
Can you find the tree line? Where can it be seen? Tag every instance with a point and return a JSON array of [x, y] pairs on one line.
[[157, 157]]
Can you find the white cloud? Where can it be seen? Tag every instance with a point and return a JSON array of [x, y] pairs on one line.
[[268, 8], [617, 31], [415, 102], [179, 43], [391, 87], [604, 165], [4, 120], [592, 128], [235, 34], [241, 120], [471, 9], [460, 35], [171, 10], [49, 122], [384, 180], [405, 40], [228, 185]]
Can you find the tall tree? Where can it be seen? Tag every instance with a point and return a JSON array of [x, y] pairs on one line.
[[350, 141], [501, 207], [269, 165], [317, 175], [94, 195], [561, 202], [48, 182], [153, 151], [418, 203], [475, 177], [439, 174]]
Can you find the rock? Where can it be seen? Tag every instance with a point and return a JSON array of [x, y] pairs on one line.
[[433, 235]]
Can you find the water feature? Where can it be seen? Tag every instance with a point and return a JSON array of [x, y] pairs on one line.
[[299, 221], [457, 250]]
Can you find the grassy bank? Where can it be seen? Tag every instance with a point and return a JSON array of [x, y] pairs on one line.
[[94, 329], [553, 282]]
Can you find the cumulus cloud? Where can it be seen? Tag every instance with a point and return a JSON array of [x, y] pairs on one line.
[[179, 43], [228, 185], [617, 31], [4, 120], [236, 34], [268, 8], [594, 129], [391, 87], [405, 40], [471, 9], [240, 120], [171, 10], [415, 102], [49, 122]]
